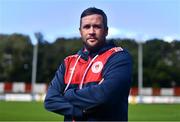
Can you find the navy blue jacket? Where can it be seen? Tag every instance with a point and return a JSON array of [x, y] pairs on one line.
[[105, 102]]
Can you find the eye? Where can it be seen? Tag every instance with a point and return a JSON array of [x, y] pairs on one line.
[[86, 26], [97, 26]]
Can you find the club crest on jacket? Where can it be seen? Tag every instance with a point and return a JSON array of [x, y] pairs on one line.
[[97, 67]]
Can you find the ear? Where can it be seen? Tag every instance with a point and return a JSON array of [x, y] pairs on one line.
[[80, 31], [106, 31]]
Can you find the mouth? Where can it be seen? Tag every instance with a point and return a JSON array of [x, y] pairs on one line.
[[92, 39]]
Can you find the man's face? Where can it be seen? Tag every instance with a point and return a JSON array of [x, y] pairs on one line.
[[92, 31]]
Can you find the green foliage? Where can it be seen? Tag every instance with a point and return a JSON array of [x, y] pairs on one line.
[[160, 59], [15, 57]]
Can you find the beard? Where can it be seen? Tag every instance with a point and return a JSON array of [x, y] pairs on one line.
[[96, 47]]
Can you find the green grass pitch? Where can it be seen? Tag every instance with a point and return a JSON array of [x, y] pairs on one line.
[[34, 111]]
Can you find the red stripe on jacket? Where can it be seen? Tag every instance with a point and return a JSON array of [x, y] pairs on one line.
[[94, 73]]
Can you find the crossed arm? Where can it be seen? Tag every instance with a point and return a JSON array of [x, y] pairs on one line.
[[117, 77], [116, 74]]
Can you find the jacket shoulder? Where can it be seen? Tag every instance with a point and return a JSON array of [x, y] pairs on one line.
[[120, 55], [70, 57], [117, 49]]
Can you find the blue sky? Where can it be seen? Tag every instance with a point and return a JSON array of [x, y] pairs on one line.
[[139, 19]]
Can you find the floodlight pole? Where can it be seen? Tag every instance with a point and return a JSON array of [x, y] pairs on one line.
[[140, 70], [34, 69], [34, 63]]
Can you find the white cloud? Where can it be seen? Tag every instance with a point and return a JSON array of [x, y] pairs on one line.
[[113, 32], [117, 33], [168, 38]]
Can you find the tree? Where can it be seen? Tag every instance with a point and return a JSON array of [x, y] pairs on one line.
[[15, 53]]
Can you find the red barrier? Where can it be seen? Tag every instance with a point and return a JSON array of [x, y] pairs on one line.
[[8, 87], [134, 91], [177, 91], [156, 91], [28, 88]]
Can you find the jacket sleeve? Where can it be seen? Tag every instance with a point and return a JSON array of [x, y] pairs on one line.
[[117, 78], [55, 101]]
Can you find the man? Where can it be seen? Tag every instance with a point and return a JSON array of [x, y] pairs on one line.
[[92, 85]]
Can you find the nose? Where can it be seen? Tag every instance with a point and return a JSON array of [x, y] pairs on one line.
[[92, 30]]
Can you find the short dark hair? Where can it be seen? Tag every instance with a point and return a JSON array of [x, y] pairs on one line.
[[93, 10]]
